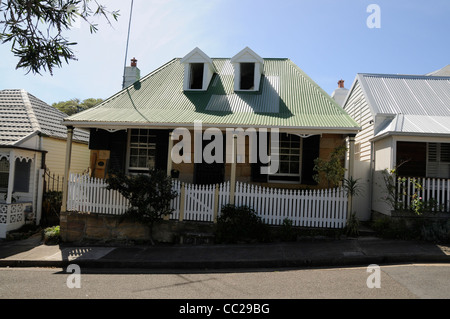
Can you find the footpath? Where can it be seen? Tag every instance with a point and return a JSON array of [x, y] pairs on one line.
[[361, 251]]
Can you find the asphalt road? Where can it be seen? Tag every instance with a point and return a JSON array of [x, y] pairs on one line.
[[410, 281]]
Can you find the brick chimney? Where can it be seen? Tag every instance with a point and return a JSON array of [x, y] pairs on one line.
[[132, 74], [341, 84]]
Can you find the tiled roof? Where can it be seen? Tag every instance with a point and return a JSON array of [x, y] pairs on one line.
[[287, 98], [22, 114]]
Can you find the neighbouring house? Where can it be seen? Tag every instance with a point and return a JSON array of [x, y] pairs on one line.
[[445, 71], [32, 139], [405, 122], [135, 129]]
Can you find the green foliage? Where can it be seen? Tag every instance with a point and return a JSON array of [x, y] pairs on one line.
[[35, 29], [392, 228], [51, 207], [51, 235], [393, 196], [352, 226], [333, 170], [149, 195], [352, 186], [240, 224], [75, 105], [418, 228], [287, 231], [390, 189], [437, 231]]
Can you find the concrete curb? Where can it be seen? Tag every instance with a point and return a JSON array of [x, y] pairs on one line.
[[226, 264]]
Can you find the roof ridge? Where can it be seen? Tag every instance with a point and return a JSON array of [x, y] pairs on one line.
[[393, 75], [30, 111]]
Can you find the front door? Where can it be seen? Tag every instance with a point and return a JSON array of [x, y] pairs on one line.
[[213, 173]]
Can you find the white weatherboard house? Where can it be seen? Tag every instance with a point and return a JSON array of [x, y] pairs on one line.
[[31, 140], [405, 122]]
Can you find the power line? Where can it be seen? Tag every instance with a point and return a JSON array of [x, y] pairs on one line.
[[128, 39]]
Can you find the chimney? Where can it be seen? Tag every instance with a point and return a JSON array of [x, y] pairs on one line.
[[340, 93], [132, 74]]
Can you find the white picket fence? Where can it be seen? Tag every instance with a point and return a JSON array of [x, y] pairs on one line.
[[307, 208], [432, 189]]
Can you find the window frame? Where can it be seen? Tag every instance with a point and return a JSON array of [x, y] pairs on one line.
[[139, 169], [282, 177]]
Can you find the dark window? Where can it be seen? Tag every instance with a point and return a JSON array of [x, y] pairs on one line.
[[247, 80], [196, 80], [411, 159], [22, 176]]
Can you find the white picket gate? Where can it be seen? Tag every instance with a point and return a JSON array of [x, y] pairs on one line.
[[307, 208]]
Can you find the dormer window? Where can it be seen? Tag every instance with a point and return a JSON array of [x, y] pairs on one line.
[[247, 76], [248, 68], [198, 70], [196, 76]]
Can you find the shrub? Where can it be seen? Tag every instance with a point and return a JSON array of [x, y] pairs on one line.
[[287, 231], [240, 224], [149, 196], [352, 226], [437, 231], [51, 235]]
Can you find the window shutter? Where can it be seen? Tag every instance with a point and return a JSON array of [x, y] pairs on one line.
[[118, 148], [311, 148], [162, 148]]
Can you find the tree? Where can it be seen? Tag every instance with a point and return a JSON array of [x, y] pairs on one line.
[[73, 106], [149, 196], [333, 170], [35, 29]]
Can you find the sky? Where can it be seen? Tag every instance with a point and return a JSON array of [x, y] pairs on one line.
[[328, 39]]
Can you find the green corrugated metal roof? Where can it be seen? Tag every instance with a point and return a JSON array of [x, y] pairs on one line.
[[287, 98]]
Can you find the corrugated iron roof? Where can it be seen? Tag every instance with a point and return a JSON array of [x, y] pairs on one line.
[[415, 104], [287, 98], [407, 94], [416, 125], [22, 114]]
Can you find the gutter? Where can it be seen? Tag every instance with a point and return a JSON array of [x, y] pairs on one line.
[[116, 126], [413, 134]]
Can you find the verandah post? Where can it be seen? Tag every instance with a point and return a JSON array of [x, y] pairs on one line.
[[182, 200], [351, 161], [233, 170], [216, 204], [67, 167]]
